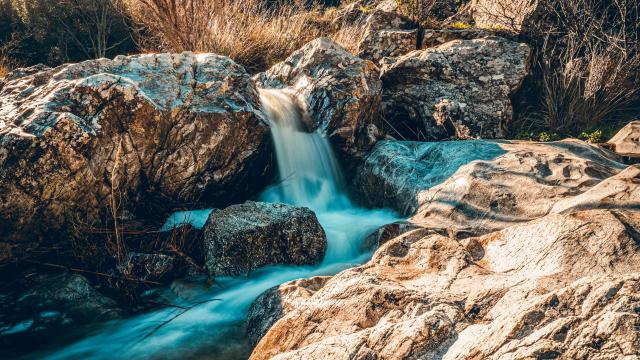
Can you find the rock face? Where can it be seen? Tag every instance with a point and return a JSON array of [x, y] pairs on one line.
[[244, 237], [277, 301], [340, 92], [149, 129], [627, 141], [477, 76], [473, 187], [563, 286]]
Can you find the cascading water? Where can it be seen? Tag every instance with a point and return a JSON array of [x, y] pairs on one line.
[[309, 176]]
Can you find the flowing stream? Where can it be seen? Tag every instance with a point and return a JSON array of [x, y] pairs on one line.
[[309, 176]]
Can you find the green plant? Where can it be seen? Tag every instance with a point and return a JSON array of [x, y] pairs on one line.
[[546, 137], [460, 25], [593, 137]]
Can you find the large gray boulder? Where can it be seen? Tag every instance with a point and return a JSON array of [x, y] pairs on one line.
[[474, 187], [340, 92], [460, 89], [564, 286], [158, 129], [244, 237]]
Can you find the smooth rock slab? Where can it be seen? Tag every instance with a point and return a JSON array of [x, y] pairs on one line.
[[627, 141], [474, 187], [244, 237]]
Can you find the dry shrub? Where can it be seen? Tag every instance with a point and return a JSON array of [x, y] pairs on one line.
[[590, 61], [254, 33]]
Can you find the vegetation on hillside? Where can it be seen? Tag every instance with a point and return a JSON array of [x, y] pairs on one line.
[[585, 66]]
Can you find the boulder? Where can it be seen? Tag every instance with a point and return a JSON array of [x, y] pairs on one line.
[[627, 141], [474, 187], [563, 286], [151, 267], [244, 237], [143, 132], [274, 303], [391, 231], [477, 76], [511, 15], [436, 37], [45, 302], [620, 191], [340, 92], [376, 34]]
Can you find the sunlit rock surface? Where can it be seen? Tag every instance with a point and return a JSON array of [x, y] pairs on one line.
[[627, 141], [244, 237], [565, 285], [145, 131], [377, 34], [511, 15], [340, 92], [473, 187], [477, 76]]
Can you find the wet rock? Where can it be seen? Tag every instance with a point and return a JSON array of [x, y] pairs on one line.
[[473, 187], [274, 303], [557, 285], [156, 129], [244, 237], [627, 141], [479, 76], [152, 267], [340, 92], [46, 302]]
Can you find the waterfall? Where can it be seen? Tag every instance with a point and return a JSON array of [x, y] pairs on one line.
[[309, 176], [309, 172]]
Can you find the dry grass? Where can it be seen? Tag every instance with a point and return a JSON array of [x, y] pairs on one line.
[[252, 33], [5, 67], [590, 63]]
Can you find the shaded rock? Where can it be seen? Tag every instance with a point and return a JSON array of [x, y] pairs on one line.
[[555, 286], [391, 231], [153, 267], [619, 191], [244, 237], [46, 302], [479, 75], [473, 187], [278, 301], [340, 92], [627, 141], [156, 130]]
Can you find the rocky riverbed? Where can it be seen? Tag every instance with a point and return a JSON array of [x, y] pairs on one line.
[[340, 205]]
